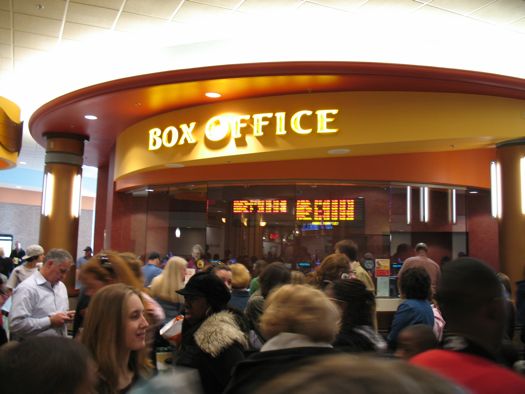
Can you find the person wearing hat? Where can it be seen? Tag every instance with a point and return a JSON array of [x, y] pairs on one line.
[[213, 341], [88, 253], [34, 255], [422, 260]]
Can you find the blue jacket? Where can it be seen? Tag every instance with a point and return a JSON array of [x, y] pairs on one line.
[[410, 312]]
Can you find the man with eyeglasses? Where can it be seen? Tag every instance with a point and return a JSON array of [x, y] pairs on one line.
[[40, 303]]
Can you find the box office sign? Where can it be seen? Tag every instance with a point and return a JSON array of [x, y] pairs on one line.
[[227, 126]]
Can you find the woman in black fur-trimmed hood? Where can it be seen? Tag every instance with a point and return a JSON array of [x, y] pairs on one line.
[[213, 340]]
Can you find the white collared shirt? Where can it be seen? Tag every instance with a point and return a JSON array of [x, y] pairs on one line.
[[34, 300]]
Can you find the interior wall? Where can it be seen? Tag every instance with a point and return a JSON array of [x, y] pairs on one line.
[[483, 242]]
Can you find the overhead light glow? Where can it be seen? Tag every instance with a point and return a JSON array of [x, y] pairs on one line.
[[177, 232], [213, 95], [452, 206], [423, 204], [91, 117]]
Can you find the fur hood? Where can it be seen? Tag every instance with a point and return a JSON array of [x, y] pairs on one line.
[[218, 332]]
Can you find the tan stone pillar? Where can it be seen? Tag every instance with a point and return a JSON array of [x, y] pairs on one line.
[[61, 198], [512, 222]]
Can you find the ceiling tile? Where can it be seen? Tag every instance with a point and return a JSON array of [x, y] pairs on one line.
[[345, 5], [502, 11], [33, 24], [519, 25], [463, 7], [113, 4], [229, 4], [257, 6], [191, 12], [91, 15], [5, 19], [25, 54], [389, 7], [34, 41], [133, 22], [79, 32], [5, 64], [5, 5], [5, 50], [5, 36], [155, 8], [51, 8]]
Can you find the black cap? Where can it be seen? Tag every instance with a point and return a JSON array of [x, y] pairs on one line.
[[153, 256], [209, 286], [87, 249]]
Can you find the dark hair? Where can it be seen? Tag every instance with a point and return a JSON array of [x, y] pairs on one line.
[[348, 248], [415, 284], [273, 275], [466, 284], [44, 365], [360, 302], [153, 256]]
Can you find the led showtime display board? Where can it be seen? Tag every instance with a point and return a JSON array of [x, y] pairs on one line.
[[260, 206], [325, 210]]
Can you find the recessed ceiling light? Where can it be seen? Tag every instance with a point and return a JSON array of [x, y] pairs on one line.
[[174, 165], [473, 192], [212, 94], [339, 151], [90, 117], [148, 190]]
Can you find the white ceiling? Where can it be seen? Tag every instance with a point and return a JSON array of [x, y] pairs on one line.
[[50, 47]]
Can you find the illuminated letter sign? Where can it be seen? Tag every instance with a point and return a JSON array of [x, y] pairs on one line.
[[219, 127]]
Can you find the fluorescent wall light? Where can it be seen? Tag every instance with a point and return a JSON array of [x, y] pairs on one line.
[[47, 201], [409, 204], [75, 198], [522, 181], [423, 204], [177, 232], [452, 206], [495, 189]]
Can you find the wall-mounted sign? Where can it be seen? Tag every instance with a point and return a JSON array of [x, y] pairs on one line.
[[325, 210], [260, 206], [224, 126]]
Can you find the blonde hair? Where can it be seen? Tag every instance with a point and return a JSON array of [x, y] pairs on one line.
[[298, 278], [103, 334], [109, 267], [166, 284], [300, 309], [240, 276]]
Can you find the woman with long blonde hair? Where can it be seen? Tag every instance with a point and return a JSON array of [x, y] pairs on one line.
[[115, 333], [164, 287]]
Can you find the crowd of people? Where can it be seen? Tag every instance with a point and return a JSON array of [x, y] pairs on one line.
[[260, 328]]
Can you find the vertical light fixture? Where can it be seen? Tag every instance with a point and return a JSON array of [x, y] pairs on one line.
[[177, 232], [47, 201], [423, 204], [452, 215], [522, 181], [409, 204], [495, 189], [75, 198]]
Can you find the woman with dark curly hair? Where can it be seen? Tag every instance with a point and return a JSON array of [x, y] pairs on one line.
[[416, 309], [357, 305]]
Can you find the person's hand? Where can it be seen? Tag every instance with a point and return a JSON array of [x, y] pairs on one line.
[[59, 319]]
